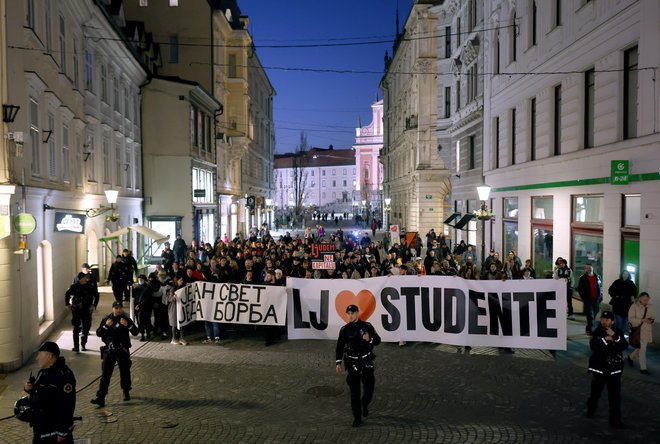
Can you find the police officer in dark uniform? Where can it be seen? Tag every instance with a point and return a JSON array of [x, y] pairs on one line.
[[355, 345], [606, 366], [82, 298], [52, 397], [113, 331]]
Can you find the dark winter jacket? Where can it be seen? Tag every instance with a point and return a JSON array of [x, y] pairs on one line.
[[623, 293], [607, 357]]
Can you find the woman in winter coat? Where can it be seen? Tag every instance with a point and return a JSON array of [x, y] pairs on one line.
[[623, 292], [641, 314]]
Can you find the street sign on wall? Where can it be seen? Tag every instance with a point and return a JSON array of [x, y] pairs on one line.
[[620, 172], [24, 223]]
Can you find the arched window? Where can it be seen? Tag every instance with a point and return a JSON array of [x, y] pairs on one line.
[[44, 281]]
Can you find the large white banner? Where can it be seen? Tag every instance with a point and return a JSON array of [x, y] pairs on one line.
[[231, 303], [448, 310]]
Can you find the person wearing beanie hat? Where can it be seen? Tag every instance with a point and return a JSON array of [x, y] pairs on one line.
[[606, 366], [82, 298], [52, 396]]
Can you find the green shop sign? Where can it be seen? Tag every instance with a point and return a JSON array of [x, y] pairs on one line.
[[620, 172], [24, 223]]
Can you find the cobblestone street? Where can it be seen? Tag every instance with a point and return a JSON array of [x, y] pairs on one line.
[[243, 392]]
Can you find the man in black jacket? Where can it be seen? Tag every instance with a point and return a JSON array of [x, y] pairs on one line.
[[606, 365], [113, 331], [82, 298], [121, 277], [52, 397], [143, 307], [355, 346]]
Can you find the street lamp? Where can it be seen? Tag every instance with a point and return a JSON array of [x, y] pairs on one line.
[[483, 214], [388, 201], [110, 195], [9, 112]]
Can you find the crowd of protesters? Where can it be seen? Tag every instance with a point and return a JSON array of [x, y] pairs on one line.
[[262, 259]]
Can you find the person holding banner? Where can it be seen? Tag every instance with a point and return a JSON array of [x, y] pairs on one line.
[[355, 346]]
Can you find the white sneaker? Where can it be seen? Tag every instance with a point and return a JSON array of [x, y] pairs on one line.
[[217, 340], [175, 342], [402, 343], [183, 341], [207, 341]]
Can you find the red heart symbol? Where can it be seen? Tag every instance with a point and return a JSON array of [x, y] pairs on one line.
[[365, 300]]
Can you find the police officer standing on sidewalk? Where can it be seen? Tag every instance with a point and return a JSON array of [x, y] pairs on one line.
[[114, 330], [52, 397], [606, 366], [82, 298], [355, 345]]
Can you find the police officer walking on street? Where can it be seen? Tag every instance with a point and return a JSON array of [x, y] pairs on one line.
[[82, 298], [355, 346], [52, 398], [606, 365], [113, 331]]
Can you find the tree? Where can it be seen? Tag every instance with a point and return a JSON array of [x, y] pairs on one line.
[[299, 174]]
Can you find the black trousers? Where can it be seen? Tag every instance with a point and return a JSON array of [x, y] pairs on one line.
[[123, 360], [613, 383], [144, 318], [121, 292], [161, 322], [81, 319], [368, 380]]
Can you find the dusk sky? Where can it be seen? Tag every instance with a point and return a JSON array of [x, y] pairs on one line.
[[324, 105]]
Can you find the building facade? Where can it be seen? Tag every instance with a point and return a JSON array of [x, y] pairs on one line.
[[572, 148], [460, 112], [76, 135], [207, 42], [180, 172], [369, 180], [416, 178], [246, 132], [327, 179]]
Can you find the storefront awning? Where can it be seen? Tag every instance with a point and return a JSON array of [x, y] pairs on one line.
[[155, 236], [451, 218], [464, 221], [148, 233]]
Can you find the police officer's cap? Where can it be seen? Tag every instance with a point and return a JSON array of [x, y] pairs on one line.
[[607, 315], [82, 275], [142, 276], [50, 347], [117, 304], [352, 309]]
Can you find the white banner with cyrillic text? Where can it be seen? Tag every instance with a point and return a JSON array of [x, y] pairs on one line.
[[231, 303], [448, 310]]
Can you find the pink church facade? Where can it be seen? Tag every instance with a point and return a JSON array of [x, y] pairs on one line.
[[369, 170]]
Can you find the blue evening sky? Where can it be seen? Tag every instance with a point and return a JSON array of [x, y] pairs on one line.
[[324, 105]]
